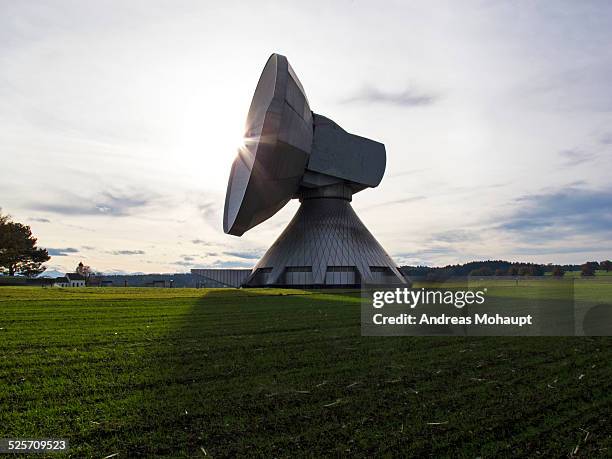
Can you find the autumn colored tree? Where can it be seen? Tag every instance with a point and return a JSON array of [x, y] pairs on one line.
[[587, 269], [83, 270], [558, 271]]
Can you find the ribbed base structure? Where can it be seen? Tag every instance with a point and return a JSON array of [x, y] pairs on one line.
[[325, 245]]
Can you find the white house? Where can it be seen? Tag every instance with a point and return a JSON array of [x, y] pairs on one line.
[[70, 280], [76, 280]]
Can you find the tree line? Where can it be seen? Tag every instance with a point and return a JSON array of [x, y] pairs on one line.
[[503, 268]]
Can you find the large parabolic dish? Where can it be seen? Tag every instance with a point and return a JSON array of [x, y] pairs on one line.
[[278, 137], [290, 152]]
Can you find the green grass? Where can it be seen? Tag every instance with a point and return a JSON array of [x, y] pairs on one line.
[[175, 372], [598, 273]]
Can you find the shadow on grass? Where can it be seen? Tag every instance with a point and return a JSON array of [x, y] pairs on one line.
[[210, 381], [245, 373], [213, 379]]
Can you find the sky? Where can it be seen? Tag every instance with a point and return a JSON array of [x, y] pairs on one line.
[[120, 121]]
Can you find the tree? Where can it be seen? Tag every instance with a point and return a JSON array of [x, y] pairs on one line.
[[18, 251], [95, 279], [558, 271], [587, 269], [594, 264], [483, 271], [499, 272], [607, 265], [513, 271], [83, 270], [524, 271]]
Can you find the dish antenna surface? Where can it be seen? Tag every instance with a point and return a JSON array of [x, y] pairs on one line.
[[290, 152]]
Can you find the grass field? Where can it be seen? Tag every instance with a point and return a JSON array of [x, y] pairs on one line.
[[181, 372], [576, 274]]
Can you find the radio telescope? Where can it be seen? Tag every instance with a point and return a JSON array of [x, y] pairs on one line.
[[289, 153]]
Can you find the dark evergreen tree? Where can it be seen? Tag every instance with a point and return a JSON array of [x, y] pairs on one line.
[[18, 251]]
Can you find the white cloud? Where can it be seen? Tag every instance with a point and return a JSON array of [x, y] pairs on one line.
[[135, 109]]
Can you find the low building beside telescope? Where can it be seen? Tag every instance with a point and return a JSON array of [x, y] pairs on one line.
[[293, 276], [219, 278]]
